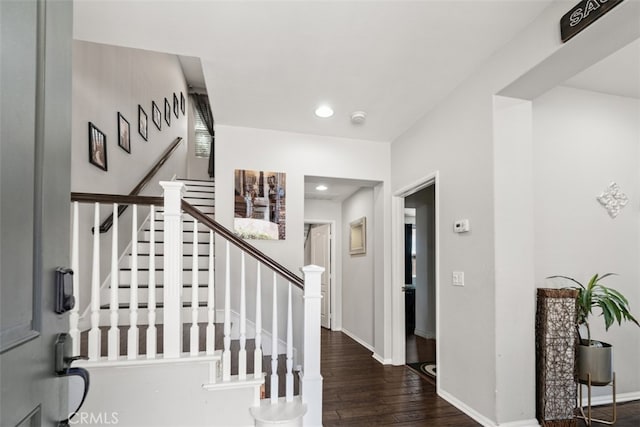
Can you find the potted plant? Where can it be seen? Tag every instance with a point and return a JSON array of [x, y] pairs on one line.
[[594, 357]]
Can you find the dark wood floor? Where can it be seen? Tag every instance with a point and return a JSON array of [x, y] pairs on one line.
[[420, 349], [359, 391]]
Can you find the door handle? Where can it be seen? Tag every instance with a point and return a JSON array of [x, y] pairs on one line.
[[78, 377]]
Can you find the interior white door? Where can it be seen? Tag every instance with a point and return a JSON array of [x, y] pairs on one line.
[[321, 256]]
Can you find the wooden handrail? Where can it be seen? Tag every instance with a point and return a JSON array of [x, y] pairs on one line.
[[242, 244], [114, 198], [107, 223]]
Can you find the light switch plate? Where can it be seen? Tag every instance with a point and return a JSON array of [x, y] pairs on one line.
[[458, 278]]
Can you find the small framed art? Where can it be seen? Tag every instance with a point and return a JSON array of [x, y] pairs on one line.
[[97, 147], [124, 140], [143, 124], [358, 237], [167, 112], [156, 115], [175, 105]]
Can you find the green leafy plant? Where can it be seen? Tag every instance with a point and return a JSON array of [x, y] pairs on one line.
[[614, 306]]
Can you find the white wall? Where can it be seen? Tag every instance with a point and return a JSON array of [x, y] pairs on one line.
[[107, 80], [456, 139], [297, 155], [357, 271], [582, 142]]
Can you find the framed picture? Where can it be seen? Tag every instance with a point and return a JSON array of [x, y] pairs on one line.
[[175, 105], [167, 112], [143, 125], [183, 103], [358, 237], [156, 115], [260, 204], [124, 140], [97, 147]]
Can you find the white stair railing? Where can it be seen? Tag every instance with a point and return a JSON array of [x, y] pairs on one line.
[[132, 336], [172, 303], [311, 380], [151, 330], [226, 353], [113, 342], [274, 343], [289, 376], [94, 333], [195, 287], [257, 352], [211, 313]]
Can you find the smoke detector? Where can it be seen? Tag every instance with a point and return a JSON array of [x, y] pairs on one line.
[[358, 117]]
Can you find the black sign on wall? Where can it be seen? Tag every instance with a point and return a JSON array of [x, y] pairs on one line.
[[584, 14]]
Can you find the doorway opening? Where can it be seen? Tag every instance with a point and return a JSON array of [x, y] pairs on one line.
[[318, 251], [420, 281]]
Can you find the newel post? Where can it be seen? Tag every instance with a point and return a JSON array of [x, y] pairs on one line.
[[172, 336], [311, 381]]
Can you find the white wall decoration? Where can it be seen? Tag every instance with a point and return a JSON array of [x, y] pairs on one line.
[[613, 199]]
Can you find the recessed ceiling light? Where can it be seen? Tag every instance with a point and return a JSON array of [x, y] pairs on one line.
[[322, 187], [324, 111]]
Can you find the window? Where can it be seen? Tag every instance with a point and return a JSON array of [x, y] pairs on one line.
[[203, 138]]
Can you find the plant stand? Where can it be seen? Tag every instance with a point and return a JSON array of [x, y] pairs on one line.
[[587, 418], [555, 357]]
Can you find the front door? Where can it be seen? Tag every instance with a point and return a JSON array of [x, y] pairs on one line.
[[321, 256], [35, 130]]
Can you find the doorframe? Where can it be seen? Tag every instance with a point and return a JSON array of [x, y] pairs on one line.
[[335, 300], [397, 267]]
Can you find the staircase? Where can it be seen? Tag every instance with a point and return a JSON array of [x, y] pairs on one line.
[[154, 344], [200, 194]]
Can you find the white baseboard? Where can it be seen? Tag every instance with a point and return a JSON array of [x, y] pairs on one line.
[[606, 400], [477, 416], [381, 360], [358, 340], [424, 334], [522, 423]]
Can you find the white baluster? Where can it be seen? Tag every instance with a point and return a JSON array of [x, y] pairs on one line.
[[113, 343], [132, 336], [226, 353], [151, 330], [172, 253], [211, 306], [94, 333], [242, 354], [257, 353], [195, 331], [74, 316], [274, 344], [311, 383], [289, 377]]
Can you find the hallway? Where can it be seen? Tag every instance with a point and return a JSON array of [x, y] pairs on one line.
[[359, 391]]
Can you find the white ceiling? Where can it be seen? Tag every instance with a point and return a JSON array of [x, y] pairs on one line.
[[268, 64], [617, 74]]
